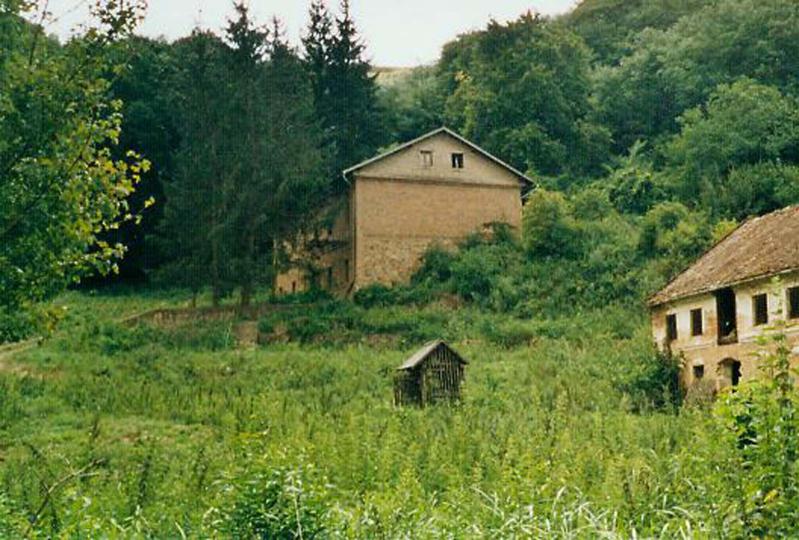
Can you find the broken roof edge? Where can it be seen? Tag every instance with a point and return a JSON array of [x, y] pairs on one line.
[[443, 129], [416, 358], [654, 300]]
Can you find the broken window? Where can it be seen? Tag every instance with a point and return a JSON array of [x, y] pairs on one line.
[[726, 315], [457, 161], [760, 308], [730, 371], [793, 303], [699, 371], [427, 158], [696, 322], [671, 327]]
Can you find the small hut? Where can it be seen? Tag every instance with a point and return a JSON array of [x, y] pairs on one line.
[[434, 373]]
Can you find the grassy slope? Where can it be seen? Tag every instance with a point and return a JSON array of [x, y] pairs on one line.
[[544, 440]]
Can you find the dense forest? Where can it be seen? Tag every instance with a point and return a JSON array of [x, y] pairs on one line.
[[651, 127]]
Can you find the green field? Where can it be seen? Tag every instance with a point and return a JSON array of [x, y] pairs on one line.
[[563, 431]]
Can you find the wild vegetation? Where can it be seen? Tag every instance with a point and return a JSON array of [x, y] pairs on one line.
[[652, 128]]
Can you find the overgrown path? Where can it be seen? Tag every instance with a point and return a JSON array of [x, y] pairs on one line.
[[8, 351]]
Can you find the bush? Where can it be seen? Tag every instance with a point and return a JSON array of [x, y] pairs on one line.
[[280, 502], [436, 266], [548, 226]]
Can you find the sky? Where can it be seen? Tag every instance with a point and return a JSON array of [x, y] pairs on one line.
[[398, 33]]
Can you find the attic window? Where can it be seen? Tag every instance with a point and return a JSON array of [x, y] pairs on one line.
[[457, 161], [427, 158], [696, 322], [671, 327], [793, 303], [760, 309]]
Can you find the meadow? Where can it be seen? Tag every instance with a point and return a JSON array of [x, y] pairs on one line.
[[566, 430]]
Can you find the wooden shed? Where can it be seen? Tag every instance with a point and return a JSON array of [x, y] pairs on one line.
[[433, 373]]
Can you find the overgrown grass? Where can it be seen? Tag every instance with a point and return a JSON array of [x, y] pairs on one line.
[[182, 433]]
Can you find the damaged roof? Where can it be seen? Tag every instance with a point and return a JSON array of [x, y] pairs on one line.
[[421, 355], [759, 248]]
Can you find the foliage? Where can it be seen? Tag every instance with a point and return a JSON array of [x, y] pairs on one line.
[[549, 229], [273, 501], [344, 89], [62, 187], [222, 223], [760, 423], [535, 110], [745, 124], [671, 70]]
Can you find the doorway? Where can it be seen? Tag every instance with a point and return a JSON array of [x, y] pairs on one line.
[[730, 371]]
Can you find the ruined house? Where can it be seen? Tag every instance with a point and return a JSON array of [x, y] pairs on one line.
[[713, 313], [436, 189]]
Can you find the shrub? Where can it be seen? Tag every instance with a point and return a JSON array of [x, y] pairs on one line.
[[655, 382], [436, 266], [548, 226], [281, 502]]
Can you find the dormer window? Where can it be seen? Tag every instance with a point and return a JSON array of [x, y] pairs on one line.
[[457, 161], [427, 158]]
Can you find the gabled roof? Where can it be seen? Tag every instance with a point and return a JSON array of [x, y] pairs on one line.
[[445, 130], [761, 247], [421, 355]]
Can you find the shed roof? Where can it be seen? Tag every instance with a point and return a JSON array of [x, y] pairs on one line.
[[419, 356], [759, 248], [525, 180]]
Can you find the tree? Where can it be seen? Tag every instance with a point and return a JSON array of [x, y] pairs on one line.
[[60, 186], [147, 91], [548, 228], [193, 235], [633, 186], [743, 124], [345, 91], [249, 172], [677, 68], [521, 90]]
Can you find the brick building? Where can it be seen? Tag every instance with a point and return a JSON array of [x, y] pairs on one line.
[[436, 189], [714, 313]]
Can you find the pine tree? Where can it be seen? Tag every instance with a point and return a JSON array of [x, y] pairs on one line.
[[316, 45], [345, 91], [193, 235]]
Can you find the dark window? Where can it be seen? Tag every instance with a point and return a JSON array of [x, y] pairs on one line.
[[699, 372], [793, 302], [671, 327], [760, 308], [726, 315], [293, 286], [697, 328], [457, 161], [330, 277], [427, 158], [347, 269]]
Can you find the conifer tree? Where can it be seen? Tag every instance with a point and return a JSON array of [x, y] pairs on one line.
[[345, 90]]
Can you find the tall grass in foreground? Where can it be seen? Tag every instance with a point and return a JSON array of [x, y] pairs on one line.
[[566, 433]]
